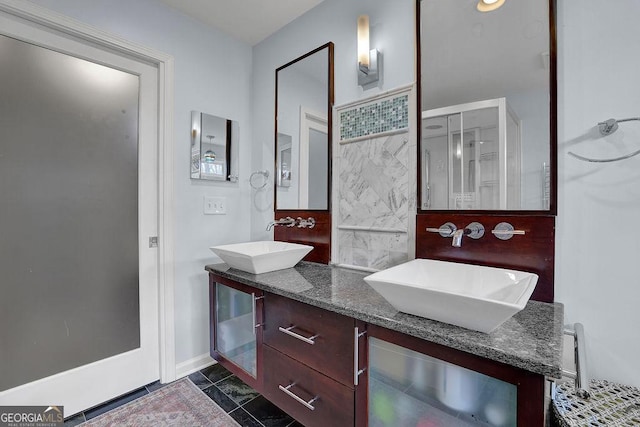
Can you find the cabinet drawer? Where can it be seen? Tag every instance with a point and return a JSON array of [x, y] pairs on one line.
[[318, 338], [329, 402]]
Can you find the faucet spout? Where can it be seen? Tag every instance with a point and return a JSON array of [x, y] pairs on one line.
[[457, 238], [288, 221]]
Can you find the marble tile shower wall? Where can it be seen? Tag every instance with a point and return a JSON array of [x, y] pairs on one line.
[[373, 202]]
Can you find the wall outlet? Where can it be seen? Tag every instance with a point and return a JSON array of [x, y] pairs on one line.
[[215, 205]]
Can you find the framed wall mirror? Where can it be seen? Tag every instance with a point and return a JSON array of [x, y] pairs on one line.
[[304, 101], [487, 106], [214, 147]]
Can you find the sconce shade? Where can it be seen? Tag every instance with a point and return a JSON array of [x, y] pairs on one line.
[[368, 59], [363, 41]]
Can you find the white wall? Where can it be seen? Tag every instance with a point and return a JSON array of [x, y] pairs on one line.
[[213, 75], [598, 239], [333, 20]]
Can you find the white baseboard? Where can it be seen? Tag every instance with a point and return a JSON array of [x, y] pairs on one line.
[[192, 365]]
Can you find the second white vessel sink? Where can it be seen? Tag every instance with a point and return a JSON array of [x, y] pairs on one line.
[[472, 296], [261, 257]]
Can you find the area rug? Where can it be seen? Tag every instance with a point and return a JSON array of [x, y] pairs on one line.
[[178, 404]]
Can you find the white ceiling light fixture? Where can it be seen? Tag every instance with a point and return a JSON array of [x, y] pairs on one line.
[[489, 5]]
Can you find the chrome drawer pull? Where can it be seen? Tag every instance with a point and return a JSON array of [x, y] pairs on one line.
[[297, 398], [289, 331], [356, 368]]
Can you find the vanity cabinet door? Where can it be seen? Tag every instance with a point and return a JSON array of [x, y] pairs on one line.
[[318, 338], [236, 335], [307, 395], [415, 382]]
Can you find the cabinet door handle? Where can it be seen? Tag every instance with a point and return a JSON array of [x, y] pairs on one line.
[[307, 404], [289, 331], [356, 355], [254, 322]]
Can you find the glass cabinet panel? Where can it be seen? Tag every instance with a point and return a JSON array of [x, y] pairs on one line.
[[235, 336], [407, 388]]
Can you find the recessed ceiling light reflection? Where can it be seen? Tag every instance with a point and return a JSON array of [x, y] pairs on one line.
[[489, 5]]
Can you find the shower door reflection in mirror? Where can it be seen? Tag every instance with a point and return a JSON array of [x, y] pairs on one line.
[[461, 148]]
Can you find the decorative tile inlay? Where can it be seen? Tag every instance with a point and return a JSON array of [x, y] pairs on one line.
[[387, 115]]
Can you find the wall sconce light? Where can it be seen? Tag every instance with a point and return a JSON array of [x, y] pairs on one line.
[[368, 59]]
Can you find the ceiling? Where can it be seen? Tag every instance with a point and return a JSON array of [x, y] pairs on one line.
[[470, 56], [248, 20]]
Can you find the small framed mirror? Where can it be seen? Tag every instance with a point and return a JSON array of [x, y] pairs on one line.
[[214, 147], [304, 100], [487, 102]]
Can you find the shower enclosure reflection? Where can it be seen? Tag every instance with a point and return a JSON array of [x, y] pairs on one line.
[[471, 156]]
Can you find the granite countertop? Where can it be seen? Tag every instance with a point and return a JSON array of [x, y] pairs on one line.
[[531, 340]]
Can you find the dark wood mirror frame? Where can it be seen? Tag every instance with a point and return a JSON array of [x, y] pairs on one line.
[[533, 252], [553, 127], [330, 100], [320, 235]]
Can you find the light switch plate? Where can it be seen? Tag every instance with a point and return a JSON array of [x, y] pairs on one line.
[[215, 205]]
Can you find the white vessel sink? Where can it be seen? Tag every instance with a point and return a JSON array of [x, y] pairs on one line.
[[261, 257], [474, 297]]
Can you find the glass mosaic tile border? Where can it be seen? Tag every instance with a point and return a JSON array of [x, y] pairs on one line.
[[387, 115]]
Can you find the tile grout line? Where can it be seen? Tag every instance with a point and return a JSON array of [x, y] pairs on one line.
[[248, 413]]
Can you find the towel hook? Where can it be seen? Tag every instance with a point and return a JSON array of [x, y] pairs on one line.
[[607, 128]]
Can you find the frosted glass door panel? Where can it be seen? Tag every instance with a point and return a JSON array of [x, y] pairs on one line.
[[235, 328], [69, 212], [407, 388]]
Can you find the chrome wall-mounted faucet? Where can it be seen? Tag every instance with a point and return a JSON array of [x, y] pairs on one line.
[[288, 221], [475, 230]]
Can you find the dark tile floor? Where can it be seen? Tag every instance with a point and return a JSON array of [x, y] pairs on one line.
[[240, 401]]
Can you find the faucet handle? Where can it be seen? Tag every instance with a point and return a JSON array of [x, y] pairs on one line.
[[505, 231], [475, 230], [446, 230], [306, 223]]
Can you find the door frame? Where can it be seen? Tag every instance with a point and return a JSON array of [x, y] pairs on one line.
[[165, 64]]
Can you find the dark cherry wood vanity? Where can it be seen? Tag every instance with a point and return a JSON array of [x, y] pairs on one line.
[[319, 335]]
